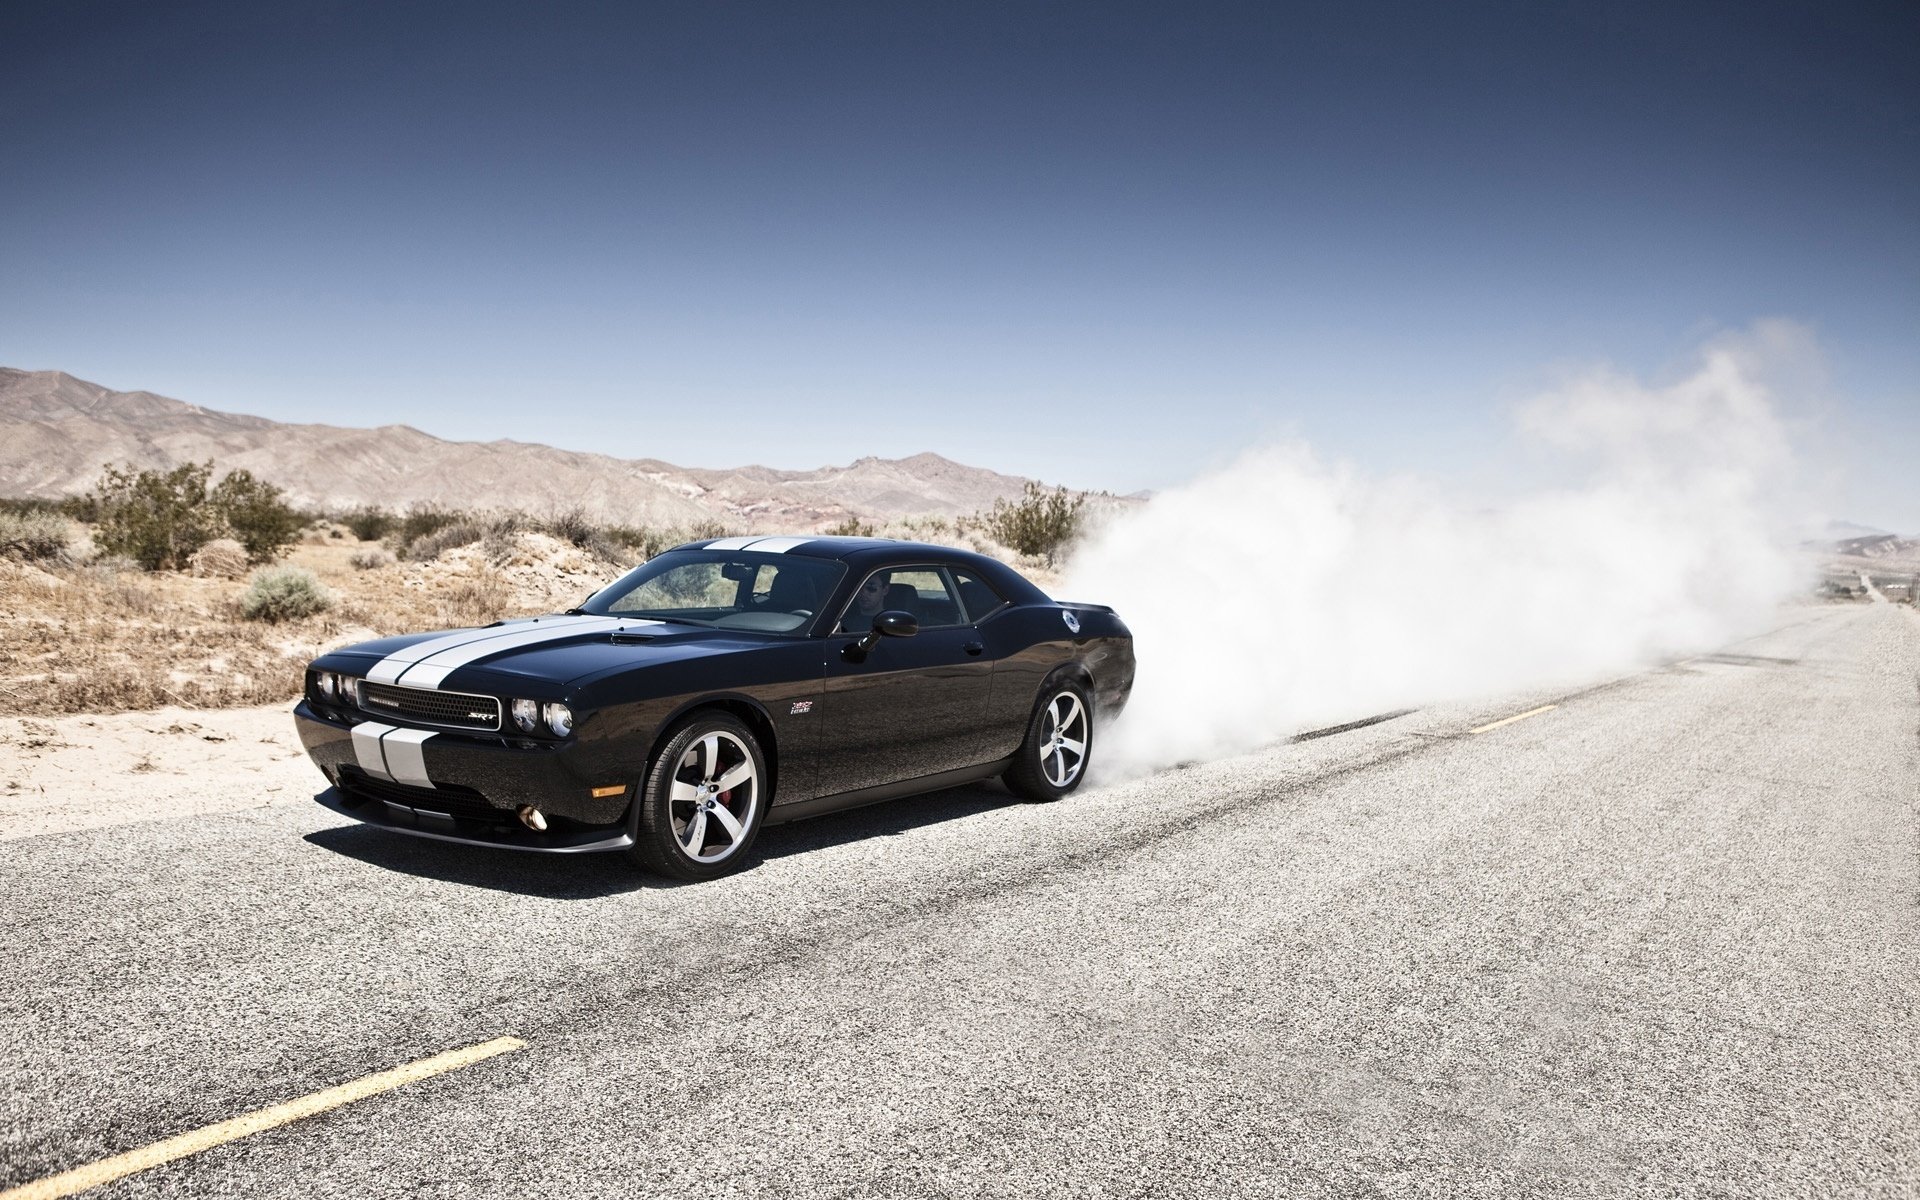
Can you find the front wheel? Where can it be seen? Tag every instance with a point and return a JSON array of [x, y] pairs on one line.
[[1053, 759], [704, 800]]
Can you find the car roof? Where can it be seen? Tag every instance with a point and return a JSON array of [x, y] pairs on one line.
[[865, 553]]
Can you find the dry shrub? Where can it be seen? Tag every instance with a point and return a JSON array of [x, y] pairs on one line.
[[112, 585], [284, 594], [1040, 524], [607, 549], [430, 546], [222, 558], [570, 525], [370, 559], [108, 637], [851, 527], [423, 519], [370, 524], [32, 536], [498, 545], [479, 598]]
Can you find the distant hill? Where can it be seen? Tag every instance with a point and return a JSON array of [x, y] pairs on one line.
[[57, 432]]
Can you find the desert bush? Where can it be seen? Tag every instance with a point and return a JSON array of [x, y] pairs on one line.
[[500, 531], [156, 518], [1040, 523], [284, 594], [370, 559], [607, 548], [424, 519], [430, 546], [221, 558], [640, 541], [480, 598], [160, 518], [851, 527], [22, 505], [34, 535], [368, 523], [570, 525], [257, 515]]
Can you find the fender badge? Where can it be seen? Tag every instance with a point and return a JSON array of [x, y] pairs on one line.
[[1073, 622], [800, 706]]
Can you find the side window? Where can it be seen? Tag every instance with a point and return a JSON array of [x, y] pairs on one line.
[[978, 596], [922, 591]]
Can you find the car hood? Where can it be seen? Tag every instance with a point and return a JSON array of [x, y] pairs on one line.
[[550, 651]]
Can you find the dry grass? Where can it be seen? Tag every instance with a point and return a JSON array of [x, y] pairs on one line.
[[108, 637]]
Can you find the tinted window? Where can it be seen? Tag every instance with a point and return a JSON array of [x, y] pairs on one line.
[[922, 591], [978, 595]]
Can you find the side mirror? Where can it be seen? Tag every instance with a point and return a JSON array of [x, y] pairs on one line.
[[892, 623]]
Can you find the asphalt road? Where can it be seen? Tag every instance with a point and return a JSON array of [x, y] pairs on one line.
[[1660, 939]]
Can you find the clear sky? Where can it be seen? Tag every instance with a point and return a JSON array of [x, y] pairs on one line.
[[1103, 244]]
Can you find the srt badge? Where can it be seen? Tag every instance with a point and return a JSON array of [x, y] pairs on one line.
[[800, 706]]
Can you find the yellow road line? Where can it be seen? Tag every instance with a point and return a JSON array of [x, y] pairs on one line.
[[1532, 712], [68, 1183]]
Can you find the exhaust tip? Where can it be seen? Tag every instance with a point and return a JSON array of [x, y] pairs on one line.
[[533, 818]]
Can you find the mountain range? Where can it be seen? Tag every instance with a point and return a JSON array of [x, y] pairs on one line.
[[57, 433]]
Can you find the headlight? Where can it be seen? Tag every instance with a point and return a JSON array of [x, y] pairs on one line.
[[350, 689], [326, 682], [559, 719], [526, 714]]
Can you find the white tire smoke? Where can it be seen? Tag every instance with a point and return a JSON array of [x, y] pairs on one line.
[[1284, 592]]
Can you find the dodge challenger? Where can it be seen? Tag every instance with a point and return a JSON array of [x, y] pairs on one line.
[[719, 687]]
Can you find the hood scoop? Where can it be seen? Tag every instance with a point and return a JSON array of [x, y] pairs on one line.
[[630, 637]]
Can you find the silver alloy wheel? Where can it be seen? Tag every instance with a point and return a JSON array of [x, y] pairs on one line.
[[1063, 745], [715, 790]]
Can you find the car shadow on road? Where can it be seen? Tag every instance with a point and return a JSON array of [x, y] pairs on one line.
[[594, 876], [547, 876]]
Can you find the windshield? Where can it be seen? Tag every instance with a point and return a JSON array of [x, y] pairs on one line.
[[769, 593]]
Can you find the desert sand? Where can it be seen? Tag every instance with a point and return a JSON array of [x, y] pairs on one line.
[[59, 774]]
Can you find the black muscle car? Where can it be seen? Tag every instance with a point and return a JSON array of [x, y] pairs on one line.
[[719, 686]]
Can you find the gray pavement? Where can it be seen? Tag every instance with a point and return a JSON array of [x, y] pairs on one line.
[[1658, 941]]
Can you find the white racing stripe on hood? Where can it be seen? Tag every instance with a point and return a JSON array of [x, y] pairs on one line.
[[431, 671], [388, 669], [400, 666]]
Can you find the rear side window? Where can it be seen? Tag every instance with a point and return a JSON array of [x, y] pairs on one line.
[[978, 596]]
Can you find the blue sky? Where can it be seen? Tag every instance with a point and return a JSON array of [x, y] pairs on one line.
[[1104, 244]]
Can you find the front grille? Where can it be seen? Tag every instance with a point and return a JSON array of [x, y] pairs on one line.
[[457, 710], [451, 799]]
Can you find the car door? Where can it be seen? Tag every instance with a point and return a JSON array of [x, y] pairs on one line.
[[912, 706]]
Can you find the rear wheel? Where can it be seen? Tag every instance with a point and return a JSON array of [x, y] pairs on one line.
[[704, 800], [1053, 759]]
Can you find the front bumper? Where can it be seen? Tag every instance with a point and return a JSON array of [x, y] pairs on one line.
[[461, 787], [445, 827]]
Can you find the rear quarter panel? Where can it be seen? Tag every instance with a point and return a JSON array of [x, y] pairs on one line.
[[1031, 642]]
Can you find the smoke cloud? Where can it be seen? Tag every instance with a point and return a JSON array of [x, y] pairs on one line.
[[1286, 592]]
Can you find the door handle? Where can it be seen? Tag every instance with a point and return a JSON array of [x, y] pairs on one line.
[[974, 647]]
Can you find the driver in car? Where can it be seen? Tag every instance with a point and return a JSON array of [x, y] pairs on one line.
[[867, 604]]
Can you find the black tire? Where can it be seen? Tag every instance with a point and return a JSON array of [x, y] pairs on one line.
[[678, 794], [1044, 767]]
